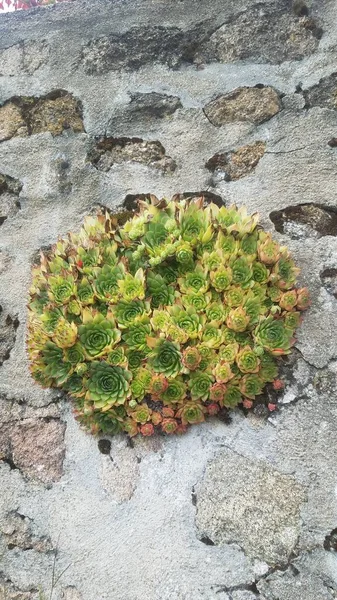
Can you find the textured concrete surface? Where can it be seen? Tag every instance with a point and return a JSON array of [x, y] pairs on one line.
[[233, 511]]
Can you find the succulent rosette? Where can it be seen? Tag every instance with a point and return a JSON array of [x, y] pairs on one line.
[[175, 391], [191, 358], [273, 335], [157, 320], [247, 360], [107, 385]]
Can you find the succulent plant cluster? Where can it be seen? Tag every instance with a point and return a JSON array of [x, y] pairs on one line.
[[152, 325]]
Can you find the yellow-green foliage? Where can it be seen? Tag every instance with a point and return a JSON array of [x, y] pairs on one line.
[[154, 324]]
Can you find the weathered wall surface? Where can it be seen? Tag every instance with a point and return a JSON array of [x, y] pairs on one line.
[[101, 100]]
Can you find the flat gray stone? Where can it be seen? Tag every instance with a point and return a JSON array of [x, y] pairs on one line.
[[246, 502]]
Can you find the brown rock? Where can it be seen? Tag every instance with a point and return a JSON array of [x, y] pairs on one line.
[[56, 114], [11, 122], [253, 104], [35, 446], [239, 163]]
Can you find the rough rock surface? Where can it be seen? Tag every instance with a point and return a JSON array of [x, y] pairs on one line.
[[229, 80], [238, 163], [25, 57], [255, 104], [34, 446], [55, 112], [270, 33], [110, 151], [250, 504]]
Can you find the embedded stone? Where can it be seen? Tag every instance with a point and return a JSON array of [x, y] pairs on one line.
[[25, 57], [109, 151], [143, 110], [140, 46], [28, 115], [323, 94], [8, 327], [305, 221], [55, 114], [12, 123], [286, 586], [249, 503], [18, 532], [254, 104], [35, 446], [238, 163], [264, 34]]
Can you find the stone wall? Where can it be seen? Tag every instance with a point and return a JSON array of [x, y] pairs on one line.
[[102, 100]]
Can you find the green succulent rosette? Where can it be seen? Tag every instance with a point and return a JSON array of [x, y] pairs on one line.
[[153, 320], [228, 352], [232, 396], [85, 292], [107, 385], [191, 358], [241, 270], [200, 384], [175, 391], [61, 288], [75, 354], [135, 358], [126, 313], [160, 292], [268, 367], [238, 319], [212, 335], [188, 320], [98, 335], [197, 301], [132, 287], [53, 363], [221, 278], [273, 335], [247, 360], [251, 386], [217, 312], [191, 413], [166, 359], [106, 283], [135, 337]]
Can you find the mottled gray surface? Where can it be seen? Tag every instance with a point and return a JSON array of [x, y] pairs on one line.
[[130, 525]]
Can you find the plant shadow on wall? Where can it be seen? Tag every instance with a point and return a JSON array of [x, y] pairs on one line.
[[152, 325]]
